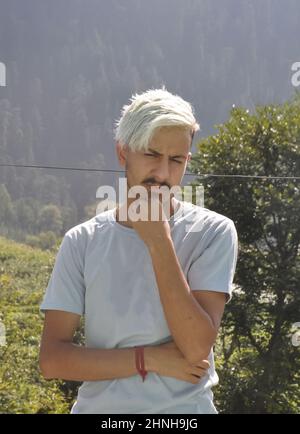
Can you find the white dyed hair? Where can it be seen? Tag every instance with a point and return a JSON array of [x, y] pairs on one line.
[[150, 111]]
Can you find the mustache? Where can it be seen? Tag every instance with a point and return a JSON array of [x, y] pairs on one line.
[[152, 181]]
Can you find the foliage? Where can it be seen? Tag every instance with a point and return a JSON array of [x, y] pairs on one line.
[[24, 273], [45, 240], [259, 367]]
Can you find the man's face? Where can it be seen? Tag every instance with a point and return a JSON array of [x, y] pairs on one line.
[[164, 162]]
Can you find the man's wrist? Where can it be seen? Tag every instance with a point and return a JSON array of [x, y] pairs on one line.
[[150, 359]]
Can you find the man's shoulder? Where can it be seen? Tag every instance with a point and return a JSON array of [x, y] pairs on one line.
[[87, 228], [196, 213], [203, 225]]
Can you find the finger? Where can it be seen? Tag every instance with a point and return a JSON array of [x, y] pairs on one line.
[[199, 372], [204, 364], [203, 367]]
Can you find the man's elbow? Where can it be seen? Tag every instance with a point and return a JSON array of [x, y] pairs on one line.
[[46, 366], [202, 354], [203, 350]]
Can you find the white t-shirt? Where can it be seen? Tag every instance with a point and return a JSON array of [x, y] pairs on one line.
[[103, 270]]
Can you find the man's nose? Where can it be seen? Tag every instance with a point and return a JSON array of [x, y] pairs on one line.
[[161, 172]]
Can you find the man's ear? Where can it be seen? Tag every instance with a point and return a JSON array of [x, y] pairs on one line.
[[122, 152], [189, 156]]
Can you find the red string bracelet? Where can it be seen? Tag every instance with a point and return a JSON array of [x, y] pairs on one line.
[[139, 361]]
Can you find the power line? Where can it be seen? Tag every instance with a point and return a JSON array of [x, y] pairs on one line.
[[60, 168], [201, 175]]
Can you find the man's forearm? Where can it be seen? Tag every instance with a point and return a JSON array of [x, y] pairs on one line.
[[68, 361], [191, 327]]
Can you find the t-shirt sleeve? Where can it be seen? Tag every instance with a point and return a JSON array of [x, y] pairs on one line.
[[66, 288], [214, 268]]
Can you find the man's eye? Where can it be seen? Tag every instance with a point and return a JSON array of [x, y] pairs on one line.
[[153, 155]]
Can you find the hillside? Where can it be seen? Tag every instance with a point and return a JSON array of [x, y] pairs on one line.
[[24, 273]]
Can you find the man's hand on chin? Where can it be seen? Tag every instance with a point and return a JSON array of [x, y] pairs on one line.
[[151, 230]]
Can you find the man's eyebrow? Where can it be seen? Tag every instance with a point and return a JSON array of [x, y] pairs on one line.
[[172, 156]]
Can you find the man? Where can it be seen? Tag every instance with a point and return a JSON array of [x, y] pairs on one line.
[[161, 284]]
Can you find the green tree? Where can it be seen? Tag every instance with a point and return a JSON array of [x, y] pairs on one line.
[[50, 219], [258, 365], [26, 212]]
